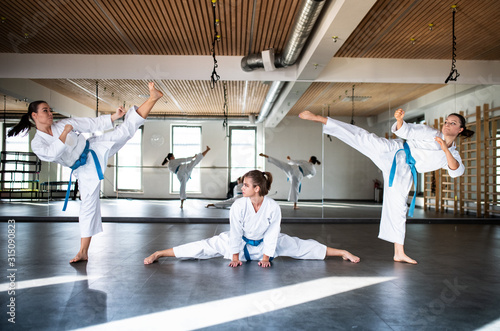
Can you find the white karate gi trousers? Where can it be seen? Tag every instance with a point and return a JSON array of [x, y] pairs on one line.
[[219, 246], [381, 151], [184, 173], [90, 207], [294, 175]]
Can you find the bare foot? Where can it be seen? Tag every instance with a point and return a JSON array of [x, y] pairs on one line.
[[153, 92], [182, 204], [348, 256], [152, 258], [404, 258], [295, 207], [210, 205], [79, 257]]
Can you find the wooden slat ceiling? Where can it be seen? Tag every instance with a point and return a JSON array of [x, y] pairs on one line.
[[381, 97], [387, 30], [180, 27]]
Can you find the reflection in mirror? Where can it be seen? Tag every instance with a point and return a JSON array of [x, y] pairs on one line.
[[299, 140]]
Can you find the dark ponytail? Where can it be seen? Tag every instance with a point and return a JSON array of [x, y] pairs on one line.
[[261, 179], [167, 158], [465, 132], [25, 122], [314, 160]]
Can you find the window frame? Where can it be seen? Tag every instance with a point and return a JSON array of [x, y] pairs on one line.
[[230, 144]]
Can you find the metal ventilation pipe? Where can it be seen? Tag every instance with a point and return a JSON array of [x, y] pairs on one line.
[[304, 22], [271, 97]]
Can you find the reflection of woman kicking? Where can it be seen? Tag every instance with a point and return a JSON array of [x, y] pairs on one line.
[[426, 149], [237, 193], [254, 233], [61, 142], [295, 171], [183, 168]]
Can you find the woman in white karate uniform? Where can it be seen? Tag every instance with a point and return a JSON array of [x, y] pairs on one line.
[[61, 142], [237, 193], [430, 150], [295, 170], [183, 169], [254, 233]]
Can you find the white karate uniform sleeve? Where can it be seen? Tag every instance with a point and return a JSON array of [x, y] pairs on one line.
[[426, 150], [89, 125], [273, 231], [236, 218], [308, 168], [51, 149]]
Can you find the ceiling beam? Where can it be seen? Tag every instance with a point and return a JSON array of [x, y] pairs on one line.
[[339, 19], [361, 70]]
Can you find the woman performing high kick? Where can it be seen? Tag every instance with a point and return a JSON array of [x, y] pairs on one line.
[[62, 143], [183, 168], [426, 149], [295, 170], [254, 233]]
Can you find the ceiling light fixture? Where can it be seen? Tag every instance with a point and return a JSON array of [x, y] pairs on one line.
[[431, 26], [413, 40]]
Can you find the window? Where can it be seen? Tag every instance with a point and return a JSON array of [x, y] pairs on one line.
[[186, 142], [128, 175], [20, 143], [243, 153]]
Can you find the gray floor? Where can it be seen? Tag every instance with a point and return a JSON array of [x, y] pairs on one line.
[[455, 286]]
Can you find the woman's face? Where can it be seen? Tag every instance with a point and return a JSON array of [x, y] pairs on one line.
[[451, 126], [43, 115], [248, 189]]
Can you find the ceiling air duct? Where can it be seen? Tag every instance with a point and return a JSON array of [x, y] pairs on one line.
[[301, 29], [304, 22]]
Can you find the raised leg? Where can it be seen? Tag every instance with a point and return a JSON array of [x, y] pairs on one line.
[[154, 96]]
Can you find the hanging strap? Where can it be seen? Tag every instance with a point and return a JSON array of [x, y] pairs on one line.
[[78, 163], [411, 163]]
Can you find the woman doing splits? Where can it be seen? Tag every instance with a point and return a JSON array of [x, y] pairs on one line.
[[237, 193], [254, 233], [183, 168], [295, 171], [426, 149], [61, 142]]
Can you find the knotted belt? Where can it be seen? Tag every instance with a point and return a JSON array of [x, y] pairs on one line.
[[252, 243], [411, 163], [78, 163]]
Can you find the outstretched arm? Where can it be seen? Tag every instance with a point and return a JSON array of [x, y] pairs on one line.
[[307, 115]]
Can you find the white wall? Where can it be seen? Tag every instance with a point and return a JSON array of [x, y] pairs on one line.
[[156, 178]]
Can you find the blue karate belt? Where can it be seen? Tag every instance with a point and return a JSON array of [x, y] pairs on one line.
[[252, 243], [177, 169], [78, 163], [411, 163], [300, 184]]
